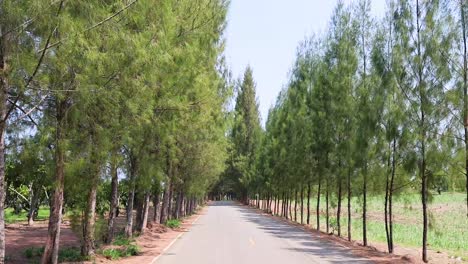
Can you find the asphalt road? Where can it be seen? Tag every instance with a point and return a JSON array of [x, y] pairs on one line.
[[229, 233]]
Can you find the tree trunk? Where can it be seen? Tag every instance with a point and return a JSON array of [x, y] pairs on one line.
[[3, 113], [169, 201], [33, 204], [390, 205], [387, 233], [143, 221], [165, 203], [130, 202], [156, 201], [349, 204], [302, 205], [87, 246], [308, 203], [50, 255], [114, 200], [364, 207], [295, 206], [327, 194], [465, 92], [318, 203], [338, 213]]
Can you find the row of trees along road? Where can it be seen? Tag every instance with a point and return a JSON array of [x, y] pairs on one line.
[[104, 102], [375, 106]]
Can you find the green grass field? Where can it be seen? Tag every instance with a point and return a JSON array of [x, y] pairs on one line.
[[11, 218], [448, 224]]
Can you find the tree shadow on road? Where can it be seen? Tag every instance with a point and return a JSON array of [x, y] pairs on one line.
[[307, 243]]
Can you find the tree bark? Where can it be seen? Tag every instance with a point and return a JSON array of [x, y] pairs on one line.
[[318, 203], [3, 113], [295, 205], [308, 203], [349, 204], [131, 197], [114, 200], [143, 216], [465, 92], [364, 207], [87, 246], [165, 203], [338, 213], [156, 205], [50, 254], [327, 194], [33, 204], [302, 205]]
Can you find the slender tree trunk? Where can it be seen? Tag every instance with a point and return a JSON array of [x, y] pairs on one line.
[[295, 205], [364, 207], [50, 255], [165, 203], [349, 204], [131, 200], [143, 221], [390, 205], [302, 205], [3, 116], [318, 202], [422, 135], [465, 92], [88, 247], [338, 213], [33, 204], [308, 203], [387, 187], [290, 206], [169, 201], [114, 200], [327, 194]]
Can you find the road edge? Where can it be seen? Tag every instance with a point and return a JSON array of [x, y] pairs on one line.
[[174, 240]]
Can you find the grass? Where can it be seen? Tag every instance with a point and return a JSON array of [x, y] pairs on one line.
[[70, 254], [448, 224], [173, 223], [124, 251], [11, 217]]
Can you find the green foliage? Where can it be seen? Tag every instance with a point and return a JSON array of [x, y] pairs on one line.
[[11, 217], [33, 252], [69, 254], [117, 253], [173, 223]]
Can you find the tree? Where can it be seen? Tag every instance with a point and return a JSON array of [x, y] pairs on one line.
[[422, 41], [246, 132]]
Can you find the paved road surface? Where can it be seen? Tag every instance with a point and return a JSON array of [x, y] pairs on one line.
[[229, 233]]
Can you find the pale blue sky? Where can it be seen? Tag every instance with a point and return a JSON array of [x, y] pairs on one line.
[[265, 34]]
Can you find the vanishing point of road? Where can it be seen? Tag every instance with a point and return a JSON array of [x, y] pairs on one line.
[[228, 233]]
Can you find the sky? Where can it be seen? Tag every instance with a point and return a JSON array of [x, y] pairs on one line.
[[265, 35]]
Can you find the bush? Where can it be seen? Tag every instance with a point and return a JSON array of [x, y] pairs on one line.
[[32, 252], [122, 241], [117, 253], [65, 254], [173, 223], [70, 255]]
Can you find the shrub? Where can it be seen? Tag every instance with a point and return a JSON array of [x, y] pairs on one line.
[[32, 252], [117, 253], [173, 223]]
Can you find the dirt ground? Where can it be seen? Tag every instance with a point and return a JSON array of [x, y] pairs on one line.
[[20, 236], [153, 242]]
